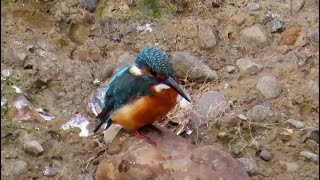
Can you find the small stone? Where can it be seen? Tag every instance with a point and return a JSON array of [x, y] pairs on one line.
[[247, 66], [309, 155], [33, 147], [206, 36], [85, 177], [111, 132], [6, 72], [210, 105], [297, 124], [276, 26], [253, 94], [254, 144], [221, 135], [50, 171], [255, 35], [254, 6], [216, 3], [239, 19], [314, 35], [311, 134], [89, 5], [291, 35], [305, 109], [130, 29], [265, 154], [269, 87], [20, 109], [14, 167], [242, 117], [248, 164], [187, 65], [288, 166], [78, 33], [236, 150], [258, 113], [230, 68], [95, 162]]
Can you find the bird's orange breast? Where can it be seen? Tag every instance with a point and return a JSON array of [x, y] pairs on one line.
[[145, 110]]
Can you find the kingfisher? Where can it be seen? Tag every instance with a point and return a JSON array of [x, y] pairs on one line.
[[141, 93]]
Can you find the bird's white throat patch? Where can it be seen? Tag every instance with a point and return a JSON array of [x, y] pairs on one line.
[[135, 71], [161, 87]]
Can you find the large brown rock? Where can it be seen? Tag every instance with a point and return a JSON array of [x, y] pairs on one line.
[[172, 158]]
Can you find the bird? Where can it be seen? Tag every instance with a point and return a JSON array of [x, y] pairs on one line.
[[142, 93]]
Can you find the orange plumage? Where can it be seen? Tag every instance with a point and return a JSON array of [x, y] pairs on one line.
[[145, 110]]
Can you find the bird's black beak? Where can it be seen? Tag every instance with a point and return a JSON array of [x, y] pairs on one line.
[[173, 84]]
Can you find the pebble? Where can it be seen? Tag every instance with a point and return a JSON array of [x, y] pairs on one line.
[[265, 154], [20, 109], [33, 147], [252, 95], [247, 66], [309, 155], [255, 35], [206, 36], [297, 124], [242, 117], [236, 150], [210, 105], [314, 35], [254, 6], [90, 5], [187, 65], [14, 167], [288, 166], [239, 19], [311, 134], [291, 35], [276, 26], [50, 171], [258, 113], [230, 68], [216, 3], [130, 28], [248, 164], [269, 87], [85, 177]]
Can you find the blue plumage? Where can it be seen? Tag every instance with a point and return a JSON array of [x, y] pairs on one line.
[[125, 87]]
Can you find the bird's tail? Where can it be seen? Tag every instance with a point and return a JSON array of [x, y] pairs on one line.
[[101, 122]]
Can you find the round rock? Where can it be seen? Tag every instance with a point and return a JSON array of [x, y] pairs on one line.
[[265, 154], [206, 36], [188, 65], [269, 87], [14, 167], [258, 113], [33, 147]]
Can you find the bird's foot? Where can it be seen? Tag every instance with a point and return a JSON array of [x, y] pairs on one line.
[[144, 137]]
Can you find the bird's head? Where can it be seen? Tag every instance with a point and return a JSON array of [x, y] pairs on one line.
[[155, 62]]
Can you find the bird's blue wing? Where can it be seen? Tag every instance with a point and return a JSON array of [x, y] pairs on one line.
[[123, 88]]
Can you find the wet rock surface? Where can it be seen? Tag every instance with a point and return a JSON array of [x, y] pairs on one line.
[[172, 157]]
